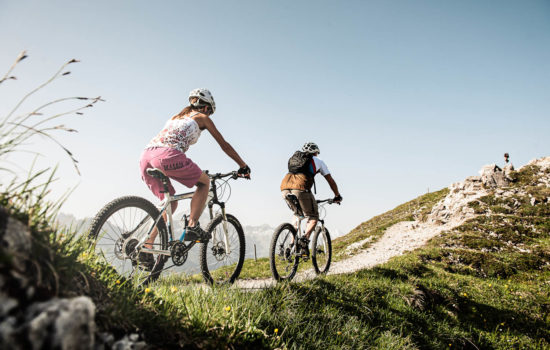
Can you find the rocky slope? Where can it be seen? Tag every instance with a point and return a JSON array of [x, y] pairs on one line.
[[449, 213]]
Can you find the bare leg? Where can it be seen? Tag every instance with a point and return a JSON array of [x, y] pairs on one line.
[[199, 199], [155, 232], [311, 223]]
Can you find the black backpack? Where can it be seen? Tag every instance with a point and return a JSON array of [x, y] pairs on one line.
[[299, 163]]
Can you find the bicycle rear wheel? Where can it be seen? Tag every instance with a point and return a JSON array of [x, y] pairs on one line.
[[322, 250], [282, 258], [222, 257], [117, 229]]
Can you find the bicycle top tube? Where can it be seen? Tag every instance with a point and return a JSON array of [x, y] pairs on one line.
[[213, 177]]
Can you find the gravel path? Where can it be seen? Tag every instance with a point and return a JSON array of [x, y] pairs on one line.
[[404, 236], [399, 238]]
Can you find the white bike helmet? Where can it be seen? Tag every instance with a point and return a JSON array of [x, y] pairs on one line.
[[310, 147], [204, 97]]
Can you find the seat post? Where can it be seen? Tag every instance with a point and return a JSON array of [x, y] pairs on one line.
[[165, 185]]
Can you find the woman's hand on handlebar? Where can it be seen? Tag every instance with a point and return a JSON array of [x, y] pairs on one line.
[[244, 172]]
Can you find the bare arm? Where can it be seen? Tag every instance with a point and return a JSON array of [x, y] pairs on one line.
[[225, 146], [332, 184]]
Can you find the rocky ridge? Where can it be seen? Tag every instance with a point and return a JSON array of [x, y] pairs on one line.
[[447, 214]]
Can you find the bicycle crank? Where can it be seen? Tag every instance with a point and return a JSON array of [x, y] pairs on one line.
[[178, 252]]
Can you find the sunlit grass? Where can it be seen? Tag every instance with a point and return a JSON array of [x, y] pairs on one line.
[[483, 285]]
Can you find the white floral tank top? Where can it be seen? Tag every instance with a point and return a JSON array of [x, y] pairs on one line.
[[178, 134]]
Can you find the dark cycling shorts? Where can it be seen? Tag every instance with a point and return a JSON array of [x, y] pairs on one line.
[[307, 202]]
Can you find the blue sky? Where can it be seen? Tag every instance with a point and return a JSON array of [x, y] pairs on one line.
[[401, 96]]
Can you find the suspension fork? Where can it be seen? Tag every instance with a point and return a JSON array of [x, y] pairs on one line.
[[224, 222], [321, 225], [225, 231]]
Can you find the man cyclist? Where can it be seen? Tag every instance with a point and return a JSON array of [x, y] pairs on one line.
[[303, 166]]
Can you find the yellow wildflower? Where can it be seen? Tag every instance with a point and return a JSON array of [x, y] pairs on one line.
[[276, 330], [338, 332], [147, 290], [228, 308], [117, 281], [174, 289]]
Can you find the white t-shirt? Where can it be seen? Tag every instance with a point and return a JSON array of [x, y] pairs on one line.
[[179, 133], [320, 166]]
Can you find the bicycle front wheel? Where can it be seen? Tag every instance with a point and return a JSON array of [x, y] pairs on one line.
[[322, 250], [118, 228], [282, 253], [222, 257]]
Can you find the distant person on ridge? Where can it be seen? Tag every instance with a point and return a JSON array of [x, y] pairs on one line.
[[302, 168], [166, 151]]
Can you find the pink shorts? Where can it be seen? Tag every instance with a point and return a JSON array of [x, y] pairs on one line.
[[173, 164]]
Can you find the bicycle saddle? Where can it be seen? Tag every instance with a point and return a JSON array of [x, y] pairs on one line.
[[291, 197], [295, 207], [157, 173]]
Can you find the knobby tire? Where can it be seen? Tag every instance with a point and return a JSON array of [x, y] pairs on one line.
[[100, 222]]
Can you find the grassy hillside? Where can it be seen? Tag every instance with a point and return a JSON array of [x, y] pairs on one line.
[[369, 231], [483, 285]]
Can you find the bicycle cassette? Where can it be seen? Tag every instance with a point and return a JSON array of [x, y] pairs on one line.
[[178, 252]]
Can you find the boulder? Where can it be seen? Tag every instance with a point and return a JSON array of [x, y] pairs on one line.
[[15, 238], [492, 176], [61, 324]]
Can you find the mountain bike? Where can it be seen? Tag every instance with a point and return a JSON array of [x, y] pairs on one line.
[[121, 229], [285, 251]]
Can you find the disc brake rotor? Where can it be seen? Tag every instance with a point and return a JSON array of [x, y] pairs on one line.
[[118, 249], [218, 251]]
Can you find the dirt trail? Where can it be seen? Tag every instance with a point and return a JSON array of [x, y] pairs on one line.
[[399, 238], [404, 236], [450, 212]]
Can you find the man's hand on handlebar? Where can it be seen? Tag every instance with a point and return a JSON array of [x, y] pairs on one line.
[[338, 199], [244, 172]]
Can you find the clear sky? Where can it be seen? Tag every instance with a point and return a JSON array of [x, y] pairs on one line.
[[400, 96]]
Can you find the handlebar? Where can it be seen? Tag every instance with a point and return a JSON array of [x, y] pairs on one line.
[[217, 176], [329, 201]]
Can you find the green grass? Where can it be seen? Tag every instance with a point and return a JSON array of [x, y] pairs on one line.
[[483, 285], [418, 208], [469, 288]]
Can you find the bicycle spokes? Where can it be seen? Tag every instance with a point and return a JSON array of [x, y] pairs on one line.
[[283, 259], [223, 255]]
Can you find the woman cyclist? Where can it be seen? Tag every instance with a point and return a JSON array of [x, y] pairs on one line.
[[166, 151]]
